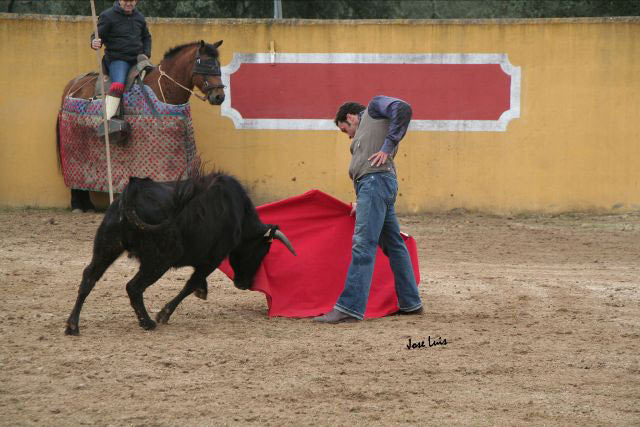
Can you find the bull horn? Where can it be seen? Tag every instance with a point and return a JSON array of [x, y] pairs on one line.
[[280, 236]]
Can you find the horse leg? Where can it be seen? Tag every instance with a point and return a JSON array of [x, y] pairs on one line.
[[87, 204], [144, 278], [106, 251], [80, 199], [197, 283], [76, 199]]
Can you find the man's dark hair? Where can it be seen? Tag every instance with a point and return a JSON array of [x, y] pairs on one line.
[[348, 108]]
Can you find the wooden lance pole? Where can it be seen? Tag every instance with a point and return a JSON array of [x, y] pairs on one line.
[[104, 106]]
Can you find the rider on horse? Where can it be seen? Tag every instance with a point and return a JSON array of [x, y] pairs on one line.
[[123, 29]]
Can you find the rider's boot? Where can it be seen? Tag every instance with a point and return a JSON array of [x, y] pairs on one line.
[[112, 103], [118, 128]]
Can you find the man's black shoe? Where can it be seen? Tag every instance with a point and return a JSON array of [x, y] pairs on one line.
[[417, 312]]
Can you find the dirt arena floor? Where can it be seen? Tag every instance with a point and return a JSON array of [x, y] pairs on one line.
[[541, 317]]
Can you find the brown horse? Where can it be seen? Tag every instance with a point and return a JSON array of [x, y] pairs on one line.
[[183, 67]]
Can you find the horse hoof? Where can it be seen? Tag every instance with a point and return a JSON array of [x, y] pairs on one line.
[[162, 317], [200, 293], [148, 324]]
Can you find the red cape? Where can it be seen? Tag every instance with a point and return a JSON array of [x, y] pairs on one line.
[[309, 284]]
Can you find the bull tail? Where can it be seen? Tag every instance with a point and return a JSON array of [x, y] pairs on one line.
[[129, 210], [133, 218]]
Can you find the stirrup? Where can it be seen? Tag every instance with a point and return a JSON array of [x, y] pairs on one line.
[[114, 125], [119, 130]]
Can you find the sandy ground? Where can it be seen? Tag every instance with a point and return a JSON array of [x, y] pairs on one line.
[[541, 317]]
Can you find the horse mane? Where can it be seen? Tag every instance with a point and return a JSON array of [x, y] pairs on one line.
[[208, 49]]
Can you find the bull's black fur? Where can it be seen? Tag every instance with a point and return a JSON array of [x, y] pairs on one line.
[[196, 222]]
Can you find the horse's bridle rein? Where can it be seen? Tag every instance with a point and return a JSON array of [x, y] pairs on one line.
[[207, 67]]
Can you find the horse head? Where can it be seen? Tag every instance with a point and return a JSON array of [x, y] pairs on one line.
[[185, 66], [206, 73]]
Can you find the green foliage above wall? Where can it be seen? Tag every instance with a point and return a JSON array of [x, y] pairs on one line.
[[344, 9]]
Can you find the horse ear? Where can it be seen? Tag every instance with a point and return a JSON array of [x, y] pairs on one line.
[[217, 44]]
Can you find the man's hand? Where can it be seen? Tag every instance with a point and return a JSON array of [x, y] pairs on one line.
[[353, 209], [379, 158], [96, 44]]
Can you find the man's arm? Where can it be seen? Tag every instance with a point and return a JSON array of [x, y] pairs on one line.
[[103, 29], [399, 114], [146, 40]]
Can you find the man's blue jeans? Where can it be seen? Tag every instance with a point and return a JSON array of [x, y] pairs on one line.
[[118, 71], [376, 222]]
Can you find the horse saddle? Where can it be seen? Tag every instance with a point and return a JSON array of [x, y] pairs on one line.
[[142, 66]]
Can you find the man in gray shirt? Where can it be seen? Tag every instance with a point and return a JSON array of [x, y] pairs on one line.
[[375, 132]]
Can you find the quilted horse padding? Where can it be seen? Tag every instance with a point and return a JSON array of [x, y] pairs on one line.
[[161, 147]]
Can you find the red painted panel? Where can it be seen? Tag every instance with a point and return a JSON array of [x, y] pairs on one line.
[[315, 91]]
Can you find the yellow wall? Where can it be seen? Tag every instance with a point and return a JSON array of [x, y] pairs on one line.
[[575, 146]]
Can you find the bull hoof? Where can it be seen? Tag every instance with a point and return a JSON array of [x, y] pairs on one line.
[[148, 324], [163, 316], [72, 330], [200, 293]]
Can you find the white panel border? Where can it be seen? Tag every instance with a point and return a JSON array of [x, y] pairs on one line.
[[499, 125]]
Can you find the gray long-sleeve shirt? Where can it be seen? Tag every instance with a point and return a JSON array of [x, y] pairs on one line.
[[399, 114]]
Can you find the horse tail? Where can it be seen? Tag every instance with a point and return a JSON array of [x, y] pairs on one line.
[[58, 153]]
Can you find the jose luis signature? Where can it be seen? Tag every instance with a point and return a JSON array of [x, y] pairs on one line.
[[431, 343]]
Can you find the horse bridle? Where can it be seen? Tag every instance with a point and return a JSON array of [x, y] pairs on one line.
[[207, 67]]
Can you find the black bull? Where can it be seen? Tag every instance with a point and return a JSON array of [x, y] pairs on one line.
[[197, 222]]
